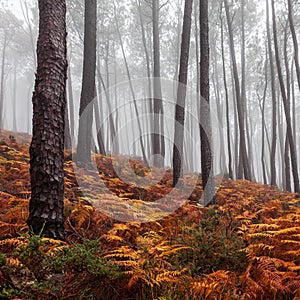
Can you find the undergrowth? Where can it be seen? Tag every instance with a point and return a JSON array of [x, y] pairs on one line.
[[244, 247]]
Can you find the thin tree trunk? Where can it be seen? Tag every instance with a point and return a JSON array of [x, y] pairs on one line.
[[71, 104], [273, 93], [28, 22], [243, 149], [2, 81], [15, 129], [287, 165], [219, 111], [132, 92], [107, 94], [286, 107], [243, 90], [238, 174], [158, 138], [295, 42], [149, 96], [205, 126], [98, 122], [262, 108], [281, 143]]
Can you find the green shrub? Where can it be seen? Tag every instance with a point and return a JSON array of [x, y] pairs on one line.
[[212, 247]]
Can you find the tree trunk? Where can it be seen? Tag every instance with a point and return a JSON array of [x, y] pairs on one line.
[[181, 95], [205, 126], [227, 102], [132, 93], [216, 86], [286, 106], [71, 105], [49, 100], [28, 22], [158, 138], [88, 83], [243, 149], [262, 108], [15, 129], [274, 109], [295, 42], [98, 127], [243, 90], [2, 81]]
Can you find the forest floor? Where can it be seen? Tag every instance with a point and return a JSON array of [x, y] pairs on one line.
[[247, 246]]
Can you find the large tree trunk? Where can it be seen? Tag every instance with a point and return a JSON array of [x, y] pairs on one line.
[[205, 126], [243, 149], [286, 106], [49, 101], [88, 83], [181, 94]]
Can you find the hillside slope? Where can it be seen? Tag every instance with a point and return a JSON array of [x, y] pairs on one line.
[[245, 247]]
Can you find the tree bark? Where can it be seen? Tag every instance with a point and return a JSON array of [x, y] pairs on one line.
[[49, 100], [286, 106], [181, 95], [205, 126], [84, 146]]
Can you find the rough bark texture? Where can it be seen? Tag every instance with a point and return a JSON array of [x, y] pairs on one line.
[[47, 146], [88, 83], [205, 127], [181, 93]]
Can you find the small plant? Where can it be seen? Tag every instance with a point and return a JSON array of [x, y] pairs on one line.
[[212, 248], [86, 272], [148, 267]]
